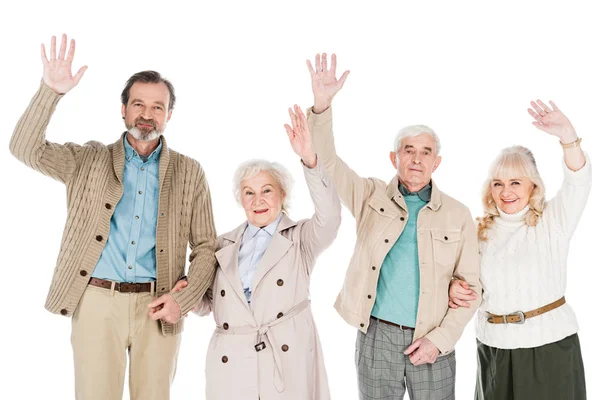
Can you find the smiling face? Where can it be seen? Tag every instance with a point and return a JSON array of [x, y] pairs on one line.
[[415, 161], [512, 195], [262, 199], [146, 113]]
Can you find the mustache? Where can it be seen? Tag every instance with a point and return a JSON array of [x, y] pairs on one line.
[[140, 120]]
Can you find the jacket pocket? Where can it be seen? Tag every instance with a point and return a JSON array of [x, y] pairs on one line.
[[445, 246]]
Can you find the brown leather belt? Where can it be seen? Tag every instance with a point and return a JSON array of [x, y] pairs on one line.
[[123, 287], [519, 317], [403, 327]]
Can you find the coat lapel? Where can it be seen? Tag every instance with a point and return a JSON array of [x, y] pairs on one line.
[[228, 256], [277, 248]]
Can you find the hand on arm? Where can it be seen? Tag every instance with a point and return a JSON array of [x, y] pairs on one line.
[[299, 136], [324, 83], [57, 70]]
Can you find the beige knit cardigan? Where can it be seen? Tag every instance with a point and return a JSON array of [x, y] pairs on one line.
[[93, 175]]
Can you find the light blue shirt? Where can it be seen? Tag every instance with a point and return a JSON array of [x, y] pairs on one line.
[[254, 243], [398, 286], [129, 254]]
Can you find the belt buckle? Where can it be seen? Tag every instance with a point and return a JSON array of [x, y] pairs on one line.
[[520, 314], [260, 346]]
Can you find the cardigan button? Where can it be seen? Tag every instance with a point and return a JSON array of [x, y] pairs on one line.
[[64, 311], [108, 206], [99, 238], [83, 272]]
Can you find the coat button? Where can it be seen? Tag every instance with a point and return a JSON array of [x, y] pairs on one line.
[[279, 315], [445, 237], [373, 268], [279, 282], [368, 296], [362, 325], [387, 241], [401, 218], [83, 273], [381, 209], [64, 311], [224, 359], [108, 206], [99, 238], [285, 347], [225, 326], [222, 293]]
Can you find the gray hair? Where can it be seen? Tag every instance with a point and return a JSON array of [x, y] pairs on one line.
[[416, 130], [251, 168]]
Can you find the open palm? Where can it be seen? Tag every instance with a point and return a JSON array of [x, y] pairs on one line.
[[324, 83], [552, 121], [299, 136], [57, 70]]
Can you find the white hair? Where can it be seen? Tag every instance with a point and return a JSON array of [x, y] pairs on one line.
[[416, 130], [251, 168]]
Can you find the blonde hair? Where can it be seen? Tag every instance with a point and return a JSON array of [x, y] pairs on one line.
[[513, 162], [251, 168]]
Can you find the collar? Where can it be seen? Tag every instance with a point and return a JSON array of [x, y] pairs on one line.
[[393, 192], [131, 154], [515, 218], [252, 230], [424, 194]]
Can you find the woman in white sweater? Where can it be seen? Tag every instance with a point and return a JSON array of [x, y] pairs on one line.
[[528, 346]]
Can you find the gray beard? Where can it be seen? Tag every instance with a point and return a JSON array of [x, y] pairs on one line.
[[145, 137]]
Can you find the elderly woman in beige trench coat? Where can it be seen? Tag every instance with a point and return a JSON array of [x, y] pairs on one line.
[[266, 344]]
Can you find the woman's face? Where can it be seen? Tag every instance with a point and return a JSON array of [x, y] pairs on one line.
[[262, 199], [512, 195]]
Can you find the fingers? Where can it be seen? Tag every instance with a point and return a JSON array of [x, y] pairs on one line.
[[333, 63], [413, 347], [79, 74], [289, 131], [324, 62], [53, 48], [342, 79], [464, 284], [554, 106], [534, 114], [161, 314], [461, 303], [158, 302], [451, 304], [44, 58], [71, 54], [544, 106], [63, 47], [179, 286], [318, 63], [310, 68], [293, 119], [302, 119]]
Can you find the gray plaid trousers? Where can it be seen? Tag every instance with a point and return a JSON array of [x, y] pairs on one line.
[[384, 372]]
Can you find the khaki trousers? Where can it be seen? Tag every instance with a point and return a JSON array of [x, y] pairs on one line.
[[107, 326]]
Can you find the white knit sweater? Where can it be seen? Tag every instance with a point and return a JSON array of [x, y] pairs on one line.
[[525, 267]]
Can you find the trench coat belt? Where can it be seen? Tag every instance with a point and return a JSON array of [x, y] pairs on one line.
[[264, 331]]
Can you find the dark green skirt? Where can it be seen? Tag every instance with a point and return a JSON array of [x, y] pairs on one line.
[[549, 372]]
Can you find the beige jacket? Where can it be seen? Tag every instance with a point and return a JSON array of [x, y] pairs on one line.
[[447, 245], [291, 364], [92, 174]]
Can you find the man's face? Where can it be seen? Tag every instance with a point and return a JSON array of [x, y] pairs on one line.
[[146, 113], [415, 161]]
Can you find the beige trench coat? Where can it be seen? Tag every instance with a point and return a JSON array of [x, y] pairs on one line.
[[270, 348]]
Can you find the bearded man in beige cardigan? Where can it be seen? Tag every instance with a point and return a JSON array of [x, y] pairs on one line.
[[133, 206]]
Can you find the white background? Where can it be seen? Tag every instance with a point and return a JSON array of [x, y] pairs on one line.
[[467, 69]]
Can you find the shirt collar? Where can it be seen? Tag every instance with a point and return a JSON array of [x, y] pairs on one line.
[[270, 229], [130, 152], [424, 194]]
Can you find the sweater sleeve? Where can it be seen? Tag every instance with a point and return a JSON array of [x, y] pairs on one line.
[[565, 209]]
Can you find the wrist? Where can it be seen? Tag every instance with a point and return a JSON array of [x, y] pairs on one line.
[[310, 161], [320, 106]]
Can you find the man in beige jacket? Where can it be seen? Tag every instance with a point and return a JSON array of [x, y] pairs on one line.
[[133, 206], [411, 240]]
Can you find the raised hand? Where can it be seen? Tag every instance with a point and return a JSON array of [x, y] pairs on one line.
[[552, 121], [324, 83], [57, 70], [299, 136]]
